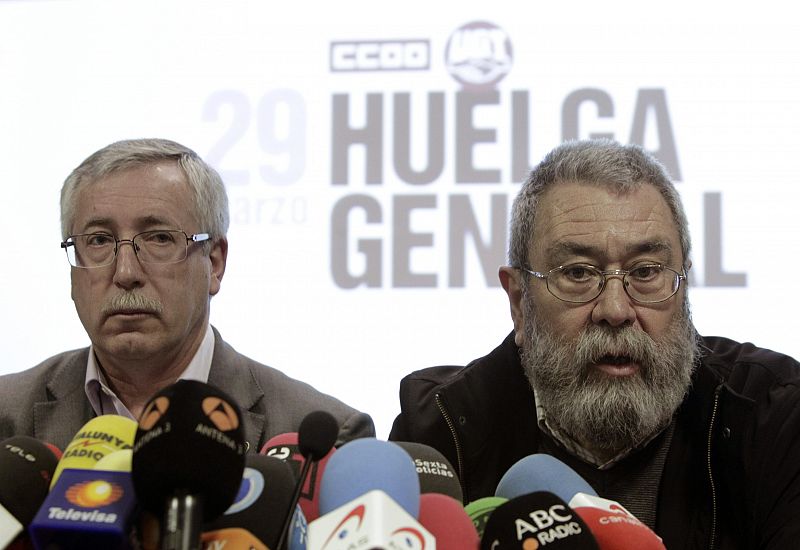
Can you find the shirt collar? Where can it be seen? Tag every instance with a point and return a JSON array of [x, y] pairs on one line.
[[105, 401]]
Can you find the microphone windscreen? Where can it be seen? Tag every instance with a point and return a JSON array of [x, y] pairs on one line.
[[364, 465], [613, 526], [262, 502], [26, 468], [285, 447], [317, 434], [118, 461], [86, 509], [540, 472], [436, 474], [536, 520], [480, 510], [97, 438], [446, 519], [190, 439]]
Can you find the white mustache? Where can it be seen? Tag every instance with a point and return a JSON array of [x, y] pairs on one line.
[[597, 342]]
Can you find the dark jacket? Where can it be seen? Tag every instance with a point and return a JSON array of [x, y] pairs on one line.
[[732, 473]]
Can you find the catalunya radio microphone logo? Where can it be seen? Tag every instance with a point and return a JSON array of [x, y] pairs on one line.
[[94, 493]]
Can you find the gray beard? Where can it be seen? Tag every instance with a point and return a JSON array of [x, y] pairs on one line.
[[605, 414]]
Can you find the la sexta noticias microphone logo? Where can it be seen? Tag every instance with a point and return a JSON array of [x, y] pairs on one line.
[[221, 413], [94, 494]]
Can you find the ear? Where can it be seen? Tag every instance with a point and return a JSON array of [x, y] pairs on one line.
[[218, 256], [509, 278]]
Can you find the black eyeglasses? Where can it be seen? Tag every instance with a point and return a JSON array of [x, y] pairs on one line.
[[160, 246]]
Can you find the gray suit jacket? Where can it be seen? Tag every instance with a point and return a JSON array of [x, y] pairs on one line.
[[48, 401]]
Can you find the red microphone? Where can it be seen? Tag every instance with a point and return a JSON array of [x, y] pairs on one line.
[[447, 521], [285, 447], [613, 527]]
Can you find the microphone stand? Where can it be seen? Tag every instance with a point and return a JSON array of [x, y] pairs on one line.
[[183, 522]]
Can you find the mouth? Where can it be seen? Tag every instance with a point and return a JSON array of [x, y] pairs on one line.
[[616, 365], [130, 313]]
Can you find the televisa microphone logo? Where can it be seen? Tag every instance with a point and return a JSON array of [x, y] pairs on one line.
[[94, 493]]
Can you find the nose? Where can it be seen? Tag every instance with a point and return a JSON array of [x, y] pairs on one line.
[[614, 307], [128, 272]]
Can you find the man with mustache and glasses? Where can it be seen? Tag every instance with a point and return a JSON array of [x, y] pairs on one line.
[[698, 437], [144, 226]]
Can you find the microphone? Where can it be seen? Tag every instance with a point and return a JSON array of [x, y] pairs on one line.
[[315, 438], [369, 498], [263, 500], [88, 508], [541, 472], [613, 526], [536, 520], [480, 510], [372, 520], [447, 521], [26, 468], [188, 459], [436, 474], [285, 447], [98, 437], [368, 464]]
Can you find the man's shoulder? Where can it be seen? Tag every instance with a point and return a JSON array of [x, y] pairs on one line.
[[279, 399], [23, 382], [747, 368], [503, 358]]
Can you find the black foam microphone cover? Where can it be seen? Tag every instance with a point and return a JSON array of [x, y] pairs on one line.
[[26, 469], [263, 500], [536, 520], [189, 441], [436, 474], [317, 434], [315, 438]]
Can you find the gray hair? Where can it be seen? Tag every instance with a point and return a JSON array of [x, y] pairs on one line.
[[600, 162], [208, 190]]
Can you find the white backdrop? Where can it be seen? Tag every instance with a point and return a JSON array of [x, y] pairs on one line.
[[272, 94]]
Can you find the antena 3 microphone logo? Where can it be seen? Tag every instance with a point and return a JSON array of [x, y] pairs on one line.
[[153, 412], [221, 414]]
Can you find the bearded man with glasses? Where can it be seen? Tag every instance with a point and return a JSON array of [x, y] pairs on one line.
[[698, 437], [144, 226]]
